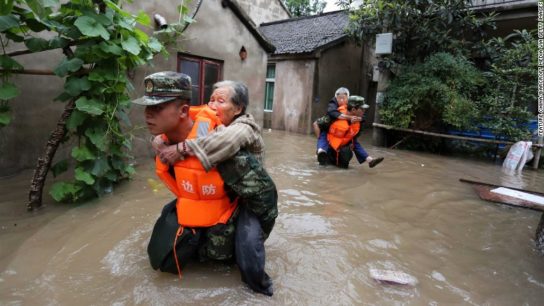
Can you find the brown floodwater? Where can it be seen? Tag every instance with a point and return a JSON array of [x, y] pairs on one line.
[[410, 214]]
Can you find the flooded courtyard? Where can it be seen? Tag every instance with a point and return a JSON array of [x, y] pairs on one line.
[[408, 214]]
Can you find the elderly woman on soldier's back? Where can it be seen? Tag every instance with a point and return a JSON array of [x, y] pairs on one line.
[[238, 142]]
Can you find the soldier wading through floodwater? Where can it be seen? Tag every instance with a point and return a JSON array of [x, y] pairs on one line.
[[217, 210]]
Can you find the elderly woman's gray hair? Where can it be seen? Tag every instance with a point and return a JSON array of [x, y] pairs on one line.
[[342, 90], [238, 93]]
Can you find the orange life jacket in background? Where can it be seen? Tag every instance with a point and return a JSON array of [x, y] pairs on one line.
[[204, 111], [341, 132], [202, 201]]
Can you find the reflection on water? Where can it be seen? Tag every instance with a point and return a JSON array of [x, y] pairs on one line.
[[410, 214]]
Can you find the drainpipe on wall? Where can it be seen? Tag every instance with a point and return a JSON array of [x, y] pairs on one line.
[[384, 45], [383, 82]]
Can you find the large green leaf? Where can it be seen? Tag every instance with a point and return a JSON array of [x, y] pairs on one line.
[[143, 18], [76, 119], [62, 191], [15, 37], [116, 8], [126, 24], [8, 91], [35, 25], [103, 19], [90, 106], [58, 42], [50, 3], [110, 73], [8, 22], [67, 66], [129, 169], [37, 8], [37, 44], [83, 176], [5, 117], [90, 27], [141, 35], [74, 86], [155, 45], [112, 48], [82, 153], [59, 167], [97, 135], [100, 167], [5, 7], [63, 97], [131, 45]]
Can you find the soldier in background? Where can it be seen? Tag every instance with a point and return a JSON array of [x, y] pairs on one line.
[[341, 139]]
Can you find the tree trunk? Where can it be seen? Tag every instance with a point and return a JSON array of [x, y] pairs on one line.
[[44, 163], [539, 239]]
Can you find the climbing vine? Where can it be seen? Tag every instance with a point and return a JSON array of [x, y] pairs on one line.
[[101, 42]]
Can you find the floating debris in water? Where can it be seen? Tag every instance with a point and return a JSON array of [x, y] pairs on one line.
[[154, 184], [393, 277]]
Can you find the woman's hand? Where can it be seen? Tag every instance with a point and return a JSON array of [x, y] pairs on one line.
[[158, 144], [356, 119], [169, 154]]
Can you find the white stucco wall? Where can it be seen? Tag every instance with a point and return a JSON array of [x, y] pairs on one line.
[[262, 11], [216, 34], [293, 95]]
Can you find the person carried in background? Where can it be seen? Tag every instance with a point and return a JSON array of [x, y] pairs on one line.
[[341, 138], [201, 223], [237, 149], [321, 125]]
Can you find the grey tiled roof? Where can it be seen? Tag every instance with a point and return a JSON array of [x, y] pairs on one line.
[[305, 34]]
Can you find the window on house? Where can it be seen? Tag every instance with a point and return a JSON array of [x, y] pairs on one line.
[[203, 72], [269, 87]]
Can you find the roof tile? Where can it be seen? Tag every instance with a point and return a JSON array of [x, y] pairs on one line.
[[305, 34]]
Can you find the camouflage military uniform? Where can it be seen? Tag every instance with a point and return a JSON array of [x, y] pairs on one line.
[[247, 179], [324, 123], [213, 243], [216, 242]]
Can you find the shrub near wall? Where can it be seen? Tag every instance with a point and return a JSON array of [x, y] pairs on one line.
[[434, 94]]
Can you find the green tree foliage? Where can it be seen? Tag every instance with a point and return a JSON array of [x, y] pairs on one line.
[[448, 91], [510, 97], [421, 27], [101, 42], [305, 7], [426, 95], [433, 94]]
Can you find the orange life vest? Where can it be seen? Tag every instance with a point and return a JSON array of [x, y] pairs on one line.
[[202, 201], [341, 132]]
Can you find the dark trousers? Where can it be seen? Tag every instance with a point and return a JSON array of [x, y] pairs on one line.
[[248, 240], [160, 248], [250, 252], [342, 157]]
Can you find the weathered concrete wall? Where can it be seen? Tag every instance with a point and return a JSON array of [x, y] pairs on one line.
[[293, 95], [207, 38], [262, 11], [35, 114], [368, 86], [339, 66]]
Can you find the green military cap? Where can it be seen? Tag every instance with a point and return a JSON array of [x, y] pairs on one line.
[[357, 101], [165, 86]]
